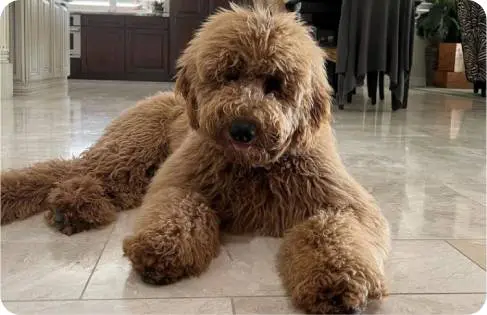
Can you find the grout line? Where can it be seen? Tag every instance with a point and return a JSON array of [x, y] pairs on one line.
[[233, 306], [228, 297], [435, 293], [97, 261], [150, 298], [438, 239], [463, 254]]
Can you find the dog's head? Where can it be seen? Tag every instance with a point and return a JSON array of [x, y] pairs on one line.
[[254, 83]]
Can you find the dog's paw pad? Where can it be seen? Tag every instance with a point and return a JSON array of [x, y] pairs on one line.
[[338, 304], [151, 276], [58, 217], [351, 310]]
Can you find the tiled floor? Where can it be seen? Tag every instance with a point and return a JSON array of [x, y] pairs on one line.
[[425, 165]]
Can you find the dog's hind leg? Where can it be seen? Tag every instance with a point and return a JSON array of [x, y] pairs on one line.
[[111, 175], [24, 192], [119, 166]]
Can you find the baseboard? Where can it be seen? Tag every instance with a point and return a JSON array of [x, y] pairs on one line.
[[6, 80], [39, 87], [417, 82], [413, 82]]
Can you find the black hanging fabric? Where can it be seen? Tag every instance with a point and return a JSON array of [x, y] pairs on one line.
[[375, 36]]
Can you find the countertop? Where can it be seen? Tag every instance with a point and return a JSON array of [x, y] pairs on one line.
[[120, 13]]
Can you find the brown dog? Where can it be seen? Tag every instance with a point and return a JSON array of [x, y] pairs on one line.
[[252, 150]]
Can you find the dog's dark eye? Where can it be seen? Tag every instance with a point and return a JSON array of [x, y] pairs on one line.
[[231, 76], [272, 84]]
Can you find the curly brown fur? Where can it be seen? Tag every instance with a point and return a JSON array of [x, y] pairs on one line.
[[80, 203], [179, 242], [110, 176], [330, 265], [24, 192], [262, 67]]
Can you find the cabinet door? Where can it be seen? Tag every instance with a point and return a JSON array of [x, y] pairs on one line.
[[189, 7], [103, 50], [66, 50], [217, 4], [45, 43], [147, 53], [186, 17], [57, 41]]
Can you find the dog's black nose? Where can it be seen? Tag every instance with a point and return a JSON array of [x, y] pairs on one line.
[[242, 131]]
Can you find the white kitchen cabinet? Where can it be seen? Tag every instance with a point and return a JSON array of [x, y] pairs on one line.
[[6, 76], [41, 45]]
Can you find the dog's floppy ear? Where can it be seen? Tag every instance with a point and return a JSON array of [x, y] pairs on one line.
[[185, 89], [321, 99]]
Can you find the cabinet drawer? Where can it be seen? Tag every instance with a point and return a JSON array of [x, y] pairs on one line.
[[155, 22], [105, 20]]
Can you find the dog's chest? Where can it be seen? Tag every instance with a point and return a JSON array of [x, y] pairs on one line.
[[264, 201]]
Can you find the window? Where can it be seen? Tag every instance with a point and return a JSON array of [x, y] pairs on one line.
[[124, 6], [127, 3], [89, 5]]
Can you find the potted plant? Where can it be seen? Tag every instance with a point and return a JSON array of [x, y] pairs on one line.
[[158, 7], [441, 30]]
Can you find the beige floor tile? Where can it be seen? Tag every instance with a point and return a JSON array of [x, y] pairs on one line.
[[395, 304], [475, 192], [123, 307], [473, 249], [264, 305], [36, 229], [428, 304], [245, 266], [432, 267], [422, 210], [425, 165], [47, 270]]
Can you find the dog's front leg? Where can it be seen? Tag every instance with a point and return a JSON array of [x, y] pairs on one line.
[[176, 234], [331, 263]]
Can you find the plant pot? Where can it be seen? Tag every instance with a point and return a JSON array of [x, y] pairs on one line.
[[451, 80], [450, 57], [430, 62]]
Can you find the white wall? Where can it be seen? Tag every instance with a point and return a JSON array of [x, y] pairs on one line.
[[418, 74], [41, 45]]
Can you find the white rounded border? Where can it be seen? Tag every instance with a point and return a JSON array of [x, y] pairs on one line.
[[483, 309]]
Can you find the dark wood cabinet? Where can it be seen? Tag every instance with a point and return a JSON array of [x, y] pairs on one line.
[[189, 8], [155, 22], [186, 18], [103, 51], [147, 54], [216, 4], [102, 20], [129, 47], [118, 47]]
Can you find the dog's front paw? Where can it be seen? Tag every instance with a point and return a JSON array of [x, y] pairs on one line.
[[336, 293], [177, 236], [159, 257]]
